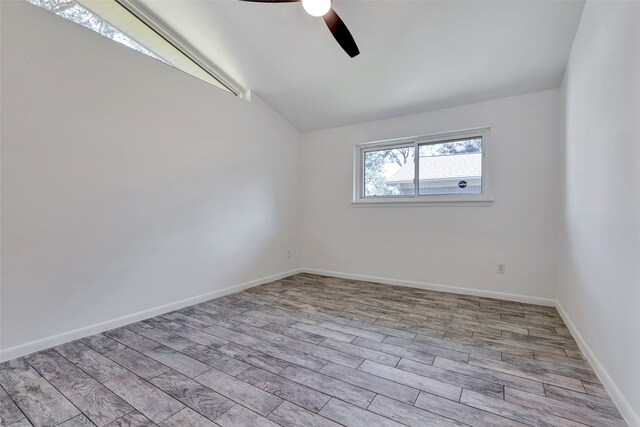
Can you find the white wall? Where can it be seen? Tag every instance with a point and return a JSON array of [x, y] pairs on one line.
[[127, 184], [453, 246], [599, 268]]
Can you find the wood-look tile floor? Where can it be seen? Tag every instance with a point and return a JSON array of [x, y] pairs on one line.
[[317, 351]]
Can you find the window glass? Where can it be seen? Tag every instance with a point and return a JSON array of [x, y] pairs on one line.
[[72, 11], [389, 172], [452, 167], [112, 20]]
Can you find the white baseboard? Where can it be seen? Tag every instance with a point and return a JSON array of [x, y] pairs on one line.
[[625, 408], [436, 287], [52, 341]]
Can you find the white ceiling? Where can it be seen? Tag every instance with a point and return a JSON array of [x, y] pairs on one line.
[[415, 55]]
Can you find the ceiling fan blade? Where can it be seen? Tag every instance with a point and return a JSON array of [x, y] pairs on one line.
[[341, 33]]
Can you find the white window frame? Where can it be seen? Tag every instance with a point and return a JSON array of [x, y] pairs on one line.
[[163, 30], [149, 35], [483, 199]]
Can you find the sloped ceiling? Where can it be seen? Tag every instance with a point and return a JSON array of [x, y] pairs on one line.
[[415, 55]]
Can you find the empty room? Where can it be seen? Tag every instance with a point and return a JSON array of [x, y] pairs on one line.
[[319, 213]]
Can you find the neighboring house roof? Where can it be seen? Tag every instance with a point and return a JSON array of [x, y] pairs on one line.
[[442, 167]]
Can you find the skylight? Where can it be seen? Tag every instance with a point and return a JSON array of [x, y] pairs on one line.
[[112, 20]]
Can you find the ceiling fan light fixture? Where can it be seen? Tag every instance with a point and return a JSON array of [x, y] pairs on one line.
[[317, 7]]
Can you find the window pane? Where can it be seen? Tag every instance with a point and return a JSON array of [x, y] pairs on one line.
[[74, 12], [453, 167], [389, 172], [110, 19]]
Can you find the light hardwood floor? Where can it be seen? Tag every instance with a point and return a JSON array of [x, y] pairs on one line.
[[317, 351]]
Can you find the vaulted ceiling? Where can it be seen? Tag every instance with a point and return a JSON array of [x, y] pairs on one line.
[[415, 55]]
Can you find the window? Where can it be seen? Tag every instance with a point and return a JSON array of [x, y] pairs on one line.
[[451, 167], [387, 170], [134, 28]]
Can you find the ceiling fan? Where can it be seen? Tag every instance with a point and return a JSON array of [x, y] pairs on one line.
[[334, 23]]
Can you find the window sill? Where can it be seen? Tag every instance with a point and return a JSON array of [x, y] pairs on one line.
[[444, 201]]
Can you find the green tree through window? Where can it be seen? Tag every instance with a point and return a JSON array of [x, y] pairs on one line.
[[72, 11]]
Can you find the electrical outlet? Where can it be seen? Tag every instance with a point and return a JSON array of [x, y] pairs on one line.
[[288, 253], [500, 268]]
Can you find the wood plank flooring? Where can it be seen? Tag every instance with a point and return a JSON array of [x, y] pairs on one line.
[[317, 351]]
